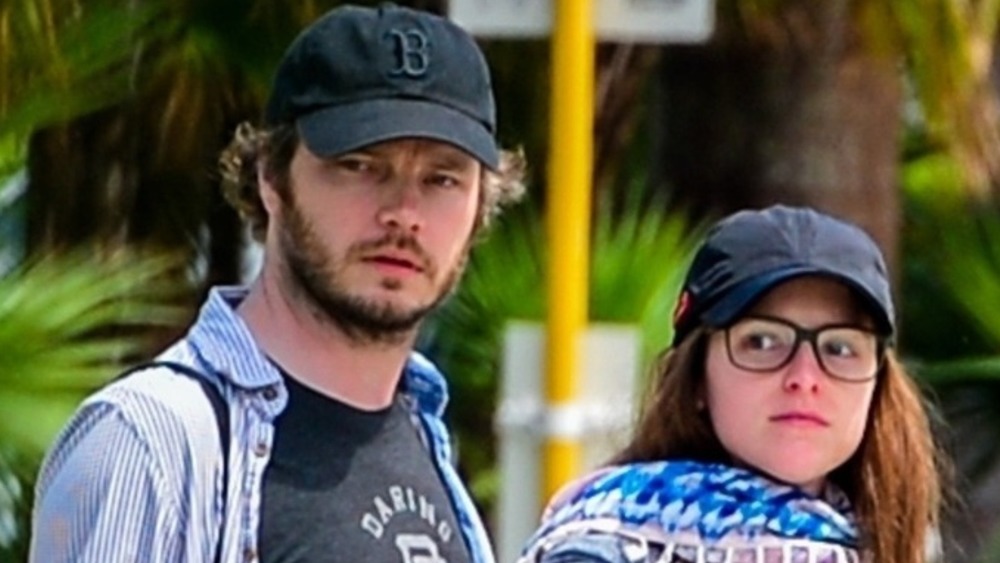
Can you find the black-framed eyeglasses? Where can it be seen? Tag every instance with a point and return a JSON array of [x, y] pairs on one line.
[[846, 352]]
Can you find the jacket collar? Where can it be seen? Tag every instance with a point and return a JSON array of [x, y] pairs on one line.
[[224, 343]]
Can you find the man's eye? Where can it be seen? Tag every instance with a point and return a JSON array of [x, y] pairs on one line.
[[443, 180], [354, 165]]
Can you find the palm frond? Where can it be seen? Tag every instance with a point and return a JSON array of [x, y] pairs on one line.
[[55, 69], [963, 259], [964, 369], [968, 266], [66, 324], [639, 256], [16, 472], [949, 49]]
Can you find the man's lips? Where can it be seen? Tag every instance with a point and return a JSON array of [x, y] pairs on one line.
[[395, 262], [800, 417]]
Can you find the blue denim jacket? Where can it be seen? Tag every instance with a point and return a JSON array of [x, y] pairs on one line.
[[697, 512], [135, 474]]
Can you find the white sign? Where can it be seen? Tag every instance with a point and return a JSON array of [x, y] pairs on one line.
[[600, 418], [638, 21]]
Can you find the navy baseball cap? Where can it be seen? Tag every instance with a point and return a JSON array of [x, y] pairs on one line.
[[748, 253], [359, 76]]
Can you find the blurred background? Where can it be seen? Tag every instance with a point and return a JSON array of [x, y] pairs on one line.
[[885, 112]]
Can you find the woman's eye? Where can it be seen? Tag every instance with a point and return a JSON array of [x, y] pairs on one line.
[[839, 349], [760, 341]]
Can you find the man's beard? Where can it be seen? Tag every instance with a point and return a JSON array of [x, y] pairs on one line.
[[318, 277]]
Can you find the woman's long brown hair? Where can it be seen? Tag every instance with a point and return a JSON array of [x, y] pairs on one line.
[[893, 480]]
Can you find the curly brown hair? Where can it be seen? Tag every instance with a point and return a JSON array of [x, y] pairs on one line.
[[276, 146], [894, 479]]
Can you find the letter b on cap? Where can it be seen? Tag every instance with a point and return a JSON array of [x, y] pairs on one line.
[[411, 50]]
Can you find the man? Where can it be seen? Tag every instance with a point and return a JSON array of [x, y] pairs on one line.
[[375, 169]]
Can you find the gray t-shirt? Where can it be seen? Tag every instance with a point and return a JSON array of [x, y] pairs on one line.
[[350, 485]]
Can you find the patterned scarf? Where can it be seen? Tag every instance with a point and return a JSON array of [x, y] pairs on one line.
[[698, 512]]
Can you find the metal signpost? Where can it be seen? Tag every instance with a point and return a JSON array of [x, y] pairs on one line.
[[637, 21], [543, 417]]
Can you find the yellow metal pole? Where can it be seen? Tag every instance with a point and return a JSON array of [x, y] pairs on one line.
[[568, 208]]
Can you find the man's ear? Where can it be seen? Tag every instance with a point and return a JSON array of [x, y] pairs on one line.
[[265, 188]]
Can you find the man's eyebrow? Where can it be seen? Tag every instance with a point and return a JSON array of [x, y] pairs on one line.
[[363, 151], [452, 160]]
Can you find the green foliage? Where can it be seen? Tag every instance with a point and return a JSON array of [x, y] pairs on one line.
[[16, 475], [639, 255], [934, 326], [969, 252], [948, 49], [639, 261], [950, 330], [58, 64], [992, 551], [962, 369], [933, 177], [953, 261], [66, 323]]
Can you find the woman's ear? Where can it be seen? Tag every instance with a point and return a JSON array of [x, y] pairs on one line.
[[700, 394]]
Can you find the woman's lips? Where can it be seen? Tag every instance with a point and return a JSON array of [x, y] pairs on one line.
[[800, 418]]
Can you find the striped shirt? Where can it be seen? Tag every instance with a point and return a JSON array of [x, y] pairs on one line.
[[135, 475]]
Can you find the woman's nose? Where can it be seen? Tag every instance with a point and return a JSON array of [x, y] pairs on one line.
[[804, 372]]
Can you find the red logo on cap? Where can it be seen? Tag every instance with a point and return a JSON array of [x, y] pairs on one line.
[[683, 304]]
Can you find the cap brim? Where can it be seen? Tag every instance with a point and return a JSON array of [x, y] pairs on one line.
[[744, 295], [347, 127]]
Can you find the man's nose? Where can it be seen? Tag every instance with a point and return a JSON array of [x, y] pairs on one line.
[[400, 205]]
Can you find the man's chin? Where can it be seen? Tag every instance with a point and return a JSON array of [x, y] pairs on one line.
[[395, 302], [378, 312], [388, 302], [397, 314]]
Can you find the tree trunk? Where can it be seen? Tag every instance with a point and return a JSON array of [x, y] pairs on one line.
[[800, 112], [133, 175], [141, 174]]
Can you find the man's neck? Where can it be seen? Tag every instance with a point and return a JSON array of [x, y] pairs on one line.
[[318, 354]]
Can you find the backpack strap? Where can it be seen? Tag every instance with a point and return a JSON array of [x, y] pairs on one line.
[[221, 419]]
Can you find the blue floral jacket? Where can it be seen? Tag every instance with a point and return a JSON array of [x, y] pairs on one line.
[[682, 511]]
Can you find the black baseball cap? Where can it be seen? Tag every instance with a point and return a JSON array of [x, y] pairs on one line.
[[359, 76], [750, 252]]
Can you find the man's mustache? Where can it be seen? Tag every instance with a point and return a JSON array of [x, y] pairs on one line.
[[399, 242]]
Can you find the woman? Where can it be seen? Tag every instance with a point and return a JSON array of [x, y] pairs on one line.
[[781, 427]]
